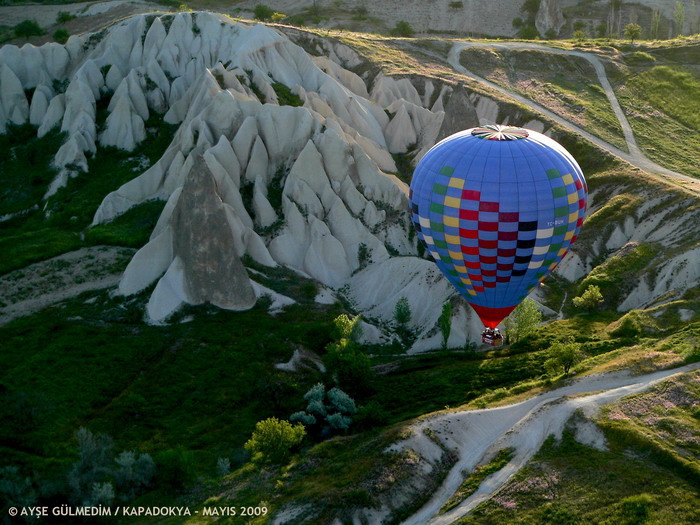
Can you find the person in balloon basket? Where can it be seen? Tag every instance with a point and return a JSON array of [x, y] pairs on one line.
[[492, 336]]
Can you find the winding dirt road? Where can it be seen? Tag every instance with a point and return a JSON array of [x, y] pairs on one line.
[[476, 435], [634, 156]]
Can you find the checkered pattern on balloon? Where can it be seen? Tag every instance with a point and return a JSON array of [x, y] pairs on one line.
[[498, 208]]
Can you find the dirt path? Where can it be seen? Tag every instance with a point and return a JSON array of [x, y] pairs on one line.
[[634, 156], [476, 435], [28, 290]]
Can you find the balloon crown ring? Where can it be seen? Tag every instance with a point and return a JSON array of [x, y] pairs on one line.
[[498, 132]]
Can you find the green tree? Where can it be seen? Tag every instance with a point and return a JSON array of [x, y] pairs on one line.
[[328, 412], [272, 440], [445, 323], [522, 321], [580, 35], [63, 17], [262, 12], [565, 355], [346, 362], [590, 299], [27, 28], [402, 316], [61, 36], [633, 31], [655, 23], [402, 28], [679, 17]]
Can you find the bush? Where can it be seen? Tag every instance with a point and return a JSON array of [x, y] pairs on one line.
[[456, 5], [590, 299], [328, 412], [445, 323], [402, 28], [636, 508], [175, 468], [273, 440], [133, 474], [223, 466], [61, 36], [28, 28], [580, 35], [262, 12], [94, 464], [565, 355], [528, 32], [63, 17]]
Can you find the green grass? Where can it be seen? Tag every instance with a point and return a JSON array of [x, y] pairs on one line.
[[202, 384], [663, 108], [55, 226], [571, 484], [132, 229], [620, 273], [25, 166], [473, 480], [566, 85]]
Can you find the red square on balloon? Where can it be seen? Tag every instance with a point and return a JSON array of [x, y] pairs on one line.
[[468, 234], [483, 243], [471, 195], [470, 250], [470, 215], [488, 226], [488, 206]]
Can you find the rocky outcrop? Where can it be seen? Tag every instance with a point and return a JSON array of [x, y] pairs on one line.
[[549, 17]]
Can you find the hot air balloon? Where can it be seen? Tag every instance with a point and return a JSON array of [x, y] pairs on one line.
[[498, 208]]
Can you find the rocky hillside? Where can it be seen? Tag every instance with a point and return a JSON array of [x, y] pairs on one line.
[[288, 155], [250, 184]]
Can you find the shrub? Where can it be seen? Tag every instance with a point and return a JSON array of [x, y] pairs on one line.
[[327, 412], [566, 354], [223, 466], [580, 35], [273, 440], [636, 508], [632, 31], [28, 28], [134, 473], [445, 323], [175, 468], [403, 29], [456, 5], [63, 17], [262, 12], [590, 299], [61, 36], [94, 464]]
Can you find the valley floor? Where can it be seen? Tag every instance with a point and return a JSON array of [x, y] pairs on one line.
[[524, 427]]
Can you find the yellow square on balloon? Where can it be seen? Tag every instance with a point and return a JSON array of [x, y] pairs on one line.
[[573, 217], [450, 221], [466, 281], [561, 252], [456, 182], [455, 255], [471, 292], [568, 179], [452, 202], [452, 239], [569, 235], [573, 198]]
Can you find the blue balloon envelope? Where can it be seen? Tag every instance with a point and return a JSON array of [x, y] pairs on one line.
[[498, 208]]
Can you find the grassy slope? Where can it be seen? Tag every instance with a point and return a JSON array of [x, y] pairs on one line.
[[661, 98], [55, 226], [202, 385], [566, 85]]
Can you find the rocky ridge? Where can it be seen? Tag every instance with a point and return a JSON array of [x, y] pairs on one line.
[[311, 186]]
